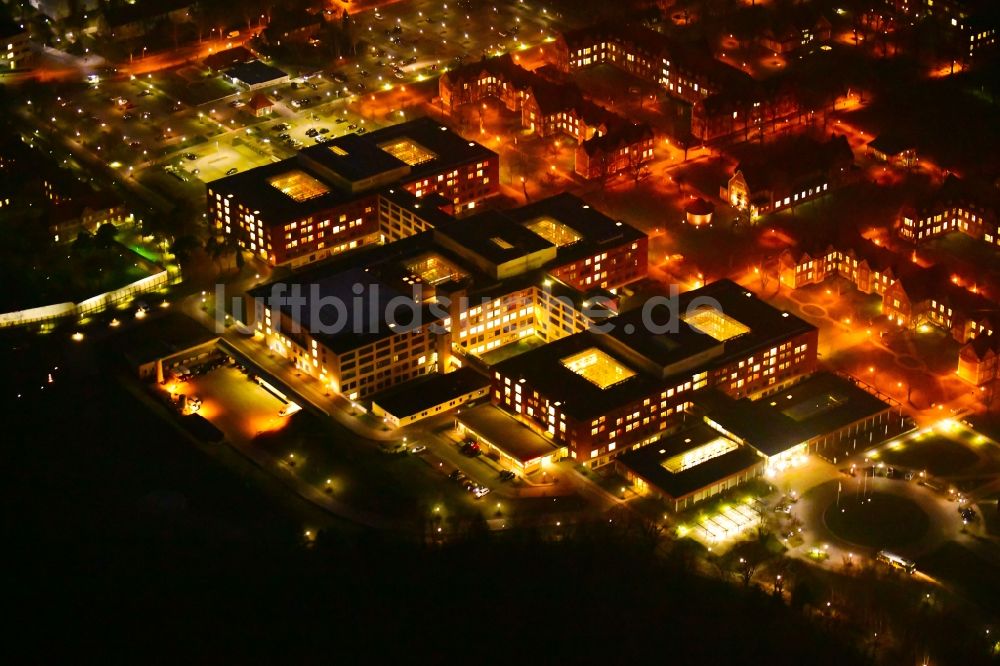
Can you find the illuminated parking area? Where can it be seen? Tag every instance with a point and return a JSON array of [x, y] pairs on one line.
[[298, 185], [714, 323], [240, 408], [597, 367], [408, 151], [553, 231]]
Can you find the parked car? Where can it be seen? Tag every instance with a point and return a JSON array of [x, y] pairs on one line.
[[457, 475], [507, 475], [190, 156], [230, 172]]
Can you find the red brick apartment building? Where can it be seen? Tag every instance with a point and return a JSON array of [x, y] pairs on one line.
[[602, 394], [911, 296], [606, 143], [722, 99], [958, 205], [324, 200], [789, 173]]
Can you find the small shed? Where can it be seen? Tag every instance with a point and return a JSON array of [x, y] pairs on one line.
[[259, 105]]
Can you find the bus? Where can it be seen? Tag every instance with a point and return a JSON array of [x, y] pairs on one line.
[[895, 561]]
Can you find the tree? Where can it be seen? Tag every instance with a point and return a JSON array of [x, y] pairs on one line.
[[638, 166], [215, 249], [746, 557], [183, 247], [105, 236], [679, 180], [83, 242]]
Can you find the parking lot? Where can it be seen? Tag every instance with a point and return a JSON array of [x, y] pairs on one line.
[[235, 404]]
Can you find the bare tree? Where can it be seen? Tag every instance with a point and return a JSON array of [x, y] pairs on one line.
[[637, 166]]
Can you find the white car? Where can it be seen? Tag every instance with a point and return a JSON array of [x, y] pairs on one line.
[[419, 448]]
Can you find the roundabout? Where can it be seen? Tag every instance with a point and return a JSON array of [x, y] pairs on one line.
[[813, 310], [878, 521], [878, 513]]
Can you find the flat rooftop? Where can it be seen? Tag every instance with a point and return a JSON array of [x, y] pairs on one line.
[[429, 391], [710, 458], [254, 190], [352, 157], [578, 215], [493, 237], [506, 433], [352, 166], [656, 360], [158, 337], [711, 317], [822, 404], [444, 146], [580, 397], [254, 73], [366, 299]]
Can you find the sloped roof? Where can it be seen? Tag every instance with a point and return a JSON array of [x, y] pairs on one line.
[[618, 135], [259, 101], [793, 159]]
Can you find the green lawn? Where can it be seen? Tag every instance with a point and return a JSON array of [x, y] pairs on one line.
[[59, 275], [885, 521], [360, 474], [974, 575], [939, 455]]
